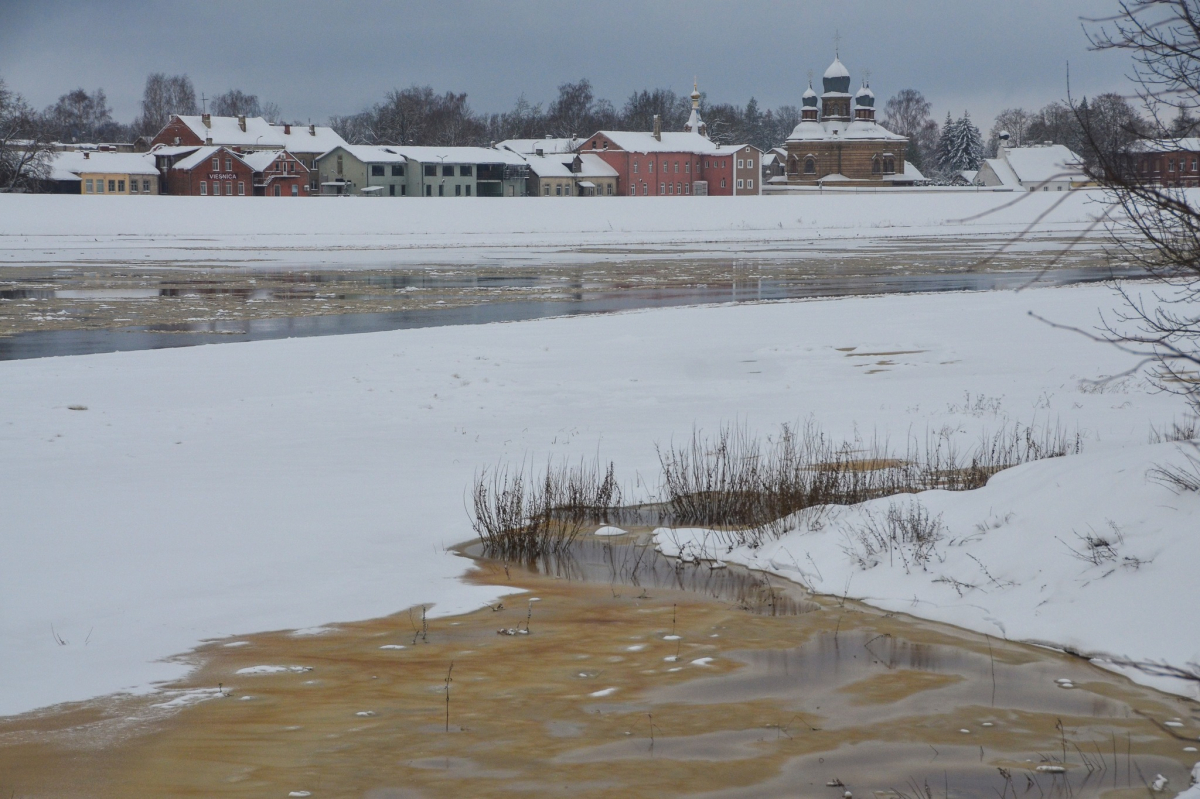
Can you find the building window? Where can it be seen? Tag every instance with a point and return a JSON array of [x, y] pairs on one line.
[[650, 166], [469, 190], [133, 186], [662, 188], [391, 189], [112, 186], [679, 188], [750, 183], [377, 170], [635, 167], [632, 191], [687, 167], [203, 187], [229, 187], [741, 164], [741, 183], [676, 166], [429, 191], [810, 166], [567, 190], [1171, 165], [441, 189], [88, 186], [216, 164], [430, 171], [296, 190], [875, 167], [706, 164], [241, 188], [465, 170], [558, 189], [339, 165], [546, 190], [228, 164], [146, 186], [216, 188], [458, 190], [447, 171], [889, 165], [610, 189], [397, 170], [749, 163], [403, 190], [722, 182], [645, 190], [277, 187], [687, 188]]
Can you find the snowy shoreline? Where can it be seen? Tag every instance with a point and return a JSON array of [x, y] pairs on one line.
[[225, 489]]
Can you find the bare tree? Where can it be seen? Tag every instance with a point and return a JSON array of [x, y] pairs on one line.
[[640, 108], [1013, 121], [236, 103], [82, 117], [163, 96], [908, 114], [1153, 225], [24, 144]]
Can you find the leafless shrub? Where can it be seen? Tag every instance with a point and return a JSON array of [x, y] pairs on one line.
[[520, 515], [1178, 431], [1097, 548], [907, 531], [1180, 478]]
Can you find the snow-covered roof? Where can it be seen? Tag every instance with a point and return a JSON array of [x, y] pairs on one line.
[[858, 129], [173, 149], [261, 159], [549, 145], [1043, 162], [1185, 144], [227, 130], [460, 155], [672, 142], [322, 139], [371, 154], [65, 166], [837, 70], [201, 155], [969, 174], [559, 166], [910, 171], [1003, 173]]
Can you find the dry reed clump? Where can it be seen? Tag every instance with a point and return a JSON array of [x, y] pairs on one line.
[[520, 515], [907, 532], [749, 488], [1180, 478]]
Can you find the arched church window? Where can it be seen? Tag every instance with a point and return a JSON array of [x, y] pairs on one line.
[[875, 165], [810, 166], [792, 165], [889, 165]]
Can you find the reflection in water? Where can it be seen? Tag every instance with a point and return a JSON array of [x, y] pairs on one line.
[[599, 297]]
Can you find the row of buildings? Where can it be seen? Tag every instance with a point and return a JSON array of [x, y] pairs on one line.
[[838, 144]]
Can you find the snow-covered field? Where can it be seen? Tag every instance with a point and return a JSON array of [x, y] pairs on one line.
[[217, 490], [359, 232]]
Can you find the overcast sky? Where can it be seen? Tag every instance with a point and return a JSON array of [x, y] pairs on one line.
[[318, 58]]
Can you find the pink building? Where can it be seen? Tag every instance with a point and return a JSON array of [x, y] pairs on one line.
[[676, 164]]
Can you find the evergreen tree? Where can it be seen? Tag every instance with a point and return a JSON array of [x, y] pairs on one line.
[[945, 143], [960, 146]]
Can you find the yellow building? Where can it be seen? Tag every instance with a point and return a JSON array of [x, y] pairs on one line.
[[109, 173]]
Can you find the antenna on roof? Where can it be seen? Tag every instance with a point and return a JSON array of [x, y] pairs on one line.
[[203, 103]]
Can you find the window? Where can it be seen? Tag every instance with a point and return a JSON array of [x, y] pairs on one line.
[[687, 188], [216, 188], [339, 165], [133, 186], [889, 164], [296, 189], [430, 171], [632, 191], [447, 171], [635, 167], [687, 167], [875, 166], [277, 189], [229, 188], [610, 189], [397, 170], [558, 189], [203, 187], [391, 189], [706, 164], [741, 183], [469, 190], [546, 190], [645, 190], [567, 190], [228, 164], [465, 170], [146, 186], [810, 166], [403, 190], [722, 182], [749, 163], [429, 191], [441, 189], [676, 166], [679, 188], [112, 185], [88, 186], [458, 190], [741, 164], [750, 183], [650, 166], [216, 164], [377, 170], [1171, 165]]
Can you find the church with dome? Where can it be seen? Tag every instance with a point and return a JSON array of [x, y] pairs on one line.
[[840, 143]]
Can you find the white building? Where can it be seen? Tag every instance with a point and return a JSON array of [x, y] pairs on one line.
[[1038, 167]]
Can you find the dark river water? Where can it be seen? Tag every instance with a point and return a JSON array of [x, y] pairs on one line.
[[47, 343]]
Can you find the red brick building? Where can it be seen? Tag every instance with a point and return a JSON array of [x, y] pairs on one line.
[[1169, 162], [278, 173], [211, 172]]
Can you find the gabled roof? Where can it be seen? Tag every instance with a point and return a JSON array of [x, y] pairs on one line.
[[174, 149], [65, 166], [559, 166], [260, 160], [321, 140], [1040, 163], [547, 146], [1003, 173], [671, 142], [261, 133], [370, 154], [202, 154]]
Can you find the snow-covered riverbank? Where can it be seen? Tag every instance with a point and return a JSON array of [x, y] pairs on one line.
[[225, 489]]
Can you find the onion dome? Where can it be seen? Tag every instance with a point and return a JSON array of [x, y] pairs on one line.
[[809, 100], [837, 78], [865, 97]]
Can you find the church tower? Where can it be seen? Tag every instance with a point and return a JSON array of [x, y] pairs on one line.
[[695, 123], [864, 103], [835, 102], [808, 105]]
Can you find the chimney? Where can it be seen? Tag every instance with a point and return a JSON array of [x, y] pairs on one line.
[[1003, 144], [242, 123], [86, 155], [206, 119], [208, 142], [312, 130], [657, 127]]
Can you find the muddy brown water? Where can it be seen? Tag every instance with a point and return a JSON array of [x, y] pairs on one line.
[[637, 676]]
